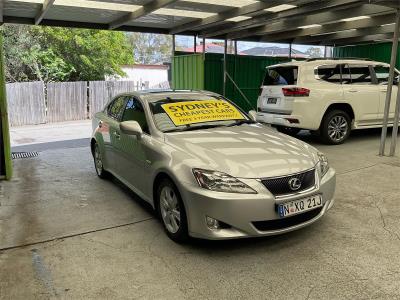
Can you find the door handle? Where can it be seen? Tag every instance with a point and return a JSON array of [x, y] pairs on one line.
[[117, 135], [384, 91], [353, 91]]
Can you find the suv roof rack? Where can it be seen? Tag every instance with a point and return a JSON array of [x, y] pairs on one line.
[[337, 58]]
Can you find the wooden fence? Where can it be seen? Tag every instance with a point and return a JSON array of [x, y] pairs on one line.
[[35, 102], [66, 101], [26, 103]]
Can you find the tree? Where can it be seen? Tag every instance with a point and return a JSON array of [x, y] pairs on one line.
[[149, 48], [314, 52], [63, 54]]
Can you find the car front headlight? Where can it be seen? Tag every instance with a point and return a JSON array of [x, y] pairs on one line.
[[323, 164], [221, 182]]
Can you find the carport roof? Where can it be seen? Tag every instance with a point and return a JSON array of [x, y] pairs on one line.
[[328, 22]]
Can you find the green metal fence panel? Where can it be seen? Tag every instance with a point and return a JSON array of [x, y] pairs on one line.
[[247, 71], [378, 51], [188, 72], [191, 71]]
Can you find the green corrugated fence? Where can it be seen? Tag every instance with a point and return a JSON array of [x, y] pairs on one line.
[[188, 72], [246, 71], [378, 51]]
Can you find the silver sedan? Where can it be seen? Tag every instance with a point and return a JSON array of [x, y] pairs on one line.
[[208, 169]]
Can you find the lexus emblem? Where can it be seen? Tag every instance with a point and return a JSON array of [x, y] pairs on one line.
[[294, 183]]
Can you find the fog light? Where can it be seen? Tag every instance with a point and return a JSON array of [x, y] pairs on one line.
[[212, 223]]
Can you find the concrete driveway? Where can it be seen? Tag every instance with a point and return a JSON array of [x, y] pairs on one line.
[[66, 234]]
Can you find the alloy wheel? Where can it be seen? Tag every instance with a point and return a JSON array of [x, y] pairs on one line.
[[338, 128], [170, 209], [98, 163]]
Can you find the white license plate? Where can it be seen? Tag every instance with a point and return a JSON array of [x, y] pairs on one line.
[[299, 206]]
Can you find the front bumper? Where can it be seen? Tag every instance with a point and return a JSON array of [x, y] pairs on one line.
[[239, 211]]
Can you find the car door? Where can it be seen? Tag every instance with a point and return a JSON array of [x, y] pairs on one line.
[[130, 150], [382, 77], [109, 127], [361, 92]]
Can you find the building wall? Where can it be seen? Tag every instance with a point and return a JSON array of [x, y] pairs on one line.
[[143, 74]]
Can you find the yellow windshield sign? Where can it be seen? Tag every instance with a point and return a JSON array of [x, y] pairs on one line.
[[190, 112]]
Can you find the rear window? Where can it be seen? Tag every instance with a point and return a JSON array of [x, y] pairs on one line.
[[281, 76]]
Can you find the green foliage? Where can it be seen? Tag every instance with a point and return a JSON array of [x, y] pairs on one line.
[[314, 52], [63, 54], [150, 48]]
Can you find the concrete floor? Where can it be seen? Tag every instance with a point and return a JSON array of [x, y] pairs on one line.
[[66, 234]]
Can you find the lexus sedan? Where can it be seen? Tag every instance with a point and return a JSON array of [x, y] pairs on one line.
[[208, 169]]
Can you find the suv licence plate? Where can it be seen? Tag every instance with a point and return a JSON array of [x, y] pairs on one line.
[[272, 100], [299, 206]]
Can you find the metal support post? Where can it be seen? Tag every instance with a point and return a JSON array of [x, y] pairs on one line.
[[5, 147], [173, 45], [224, 67], [390, 84], [195, 44], [290, 51]]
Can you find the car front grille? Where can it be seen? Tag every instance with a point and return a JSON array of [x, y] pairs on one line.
[[280, 186], [287, 222]]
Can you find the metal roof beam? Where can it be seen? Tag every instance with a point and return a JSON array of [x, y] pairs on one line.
[[346, 34], [268, 18], [144, 10], [368, 39], [316, 18], [44, 9], [358, 24], [231, 13]]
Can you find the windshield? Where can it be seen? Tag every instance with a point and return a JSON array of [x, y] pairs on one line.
[[192, 113]]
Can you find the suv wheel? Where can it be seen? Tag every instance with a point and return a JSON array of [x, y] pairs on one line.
[[172, 211], [335, 127]]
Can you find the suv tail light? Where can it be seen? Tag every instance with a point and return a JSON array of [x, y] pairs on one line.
[[296, 92]]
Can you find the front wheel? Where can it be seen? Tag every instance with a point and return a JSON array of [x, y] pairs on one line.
[[98, 162], [172, 211], [335, 127]]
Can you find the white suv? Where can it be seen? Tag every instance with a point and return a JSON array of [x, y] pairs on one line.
[[330, 97]]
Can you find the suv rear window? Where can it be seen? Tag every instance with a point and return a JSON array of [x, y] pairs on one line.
[[281, 76]]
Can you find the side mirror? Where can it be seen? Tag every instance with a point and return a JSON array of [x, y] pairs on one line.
[[253, 115], [131, 128]]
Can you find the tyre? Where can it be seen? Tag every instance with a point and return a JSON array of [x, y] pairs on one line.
[[335, 127], [98, 163], [289, 130], [172, 212]]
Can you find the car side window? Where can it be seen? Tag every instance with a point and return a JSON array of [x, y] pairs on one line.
[[382, 75], [346, 77], [115, 108], [329, 73], [360, 74], [134, 112]]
